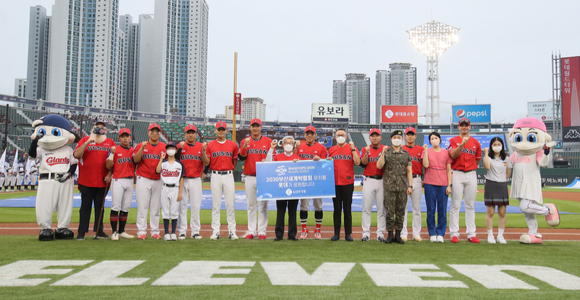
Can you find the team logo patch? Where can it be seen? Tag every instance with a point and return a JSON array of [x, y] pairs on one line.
[[51, 161]]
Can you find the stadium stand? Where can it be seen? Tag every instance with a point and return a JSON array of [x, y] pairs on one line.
[[358, 139]]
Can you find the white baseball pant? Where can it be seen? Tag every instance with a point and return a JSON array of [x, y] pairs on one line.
[[372, 193], [193, 194], [253, 203], [19, 179], [531, 208], [148, 197], [33, 179], [7, 180], [464, 186], [53, 195], [223, 184], [12, 180], [169, 205], [415, 199], [121, 194], [316, 203]]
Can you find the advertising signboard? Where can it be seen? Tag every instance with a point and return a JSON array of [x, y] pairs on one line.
[[476, 113]]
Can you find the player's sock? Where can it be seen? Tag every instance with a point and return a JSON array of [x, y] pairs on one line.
[[173, 225], [490, 232], [318, 218], [500, 232], [114, 219], [303, 218], [122, 221], [166, 225]]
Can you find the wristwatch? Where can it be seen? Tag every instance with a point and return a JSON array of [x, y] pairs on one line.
[[410, 186]]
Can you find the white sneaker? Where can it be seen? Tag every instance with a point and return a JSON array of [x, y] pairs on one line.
[[233, 236], [433, 239], [501, 239], [173, 237], [115, 236], [490, 239], [196, 236], [126, 235], [440, 239], [182, 237], [215, 236], [167, 237]]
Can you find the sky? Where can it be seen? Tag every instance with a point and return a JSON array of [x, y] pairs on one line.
[[290, 51]]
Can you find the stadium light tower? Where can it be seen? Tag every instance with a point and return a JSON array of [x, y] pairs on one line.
[[432, 39]]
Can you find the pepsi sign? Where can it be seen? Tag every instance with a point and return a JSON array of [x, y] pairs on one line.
[[476, 113]]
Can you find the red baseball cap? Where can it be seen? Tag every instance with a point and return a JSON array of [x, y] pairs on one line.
[[124, 130], [153, 126], [310, 128], [464, 120], [190, 127], [256, 121], [410, 129], [219, 125], [375, 130]]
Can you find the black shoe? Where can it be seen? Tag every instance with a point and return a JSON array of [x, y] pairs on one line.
[[398, 238], [46, 235], [335, 238], [64, 234], [102, 235], [277, 239], [348, 238], [293, 238], [389, 238], [81, 236]]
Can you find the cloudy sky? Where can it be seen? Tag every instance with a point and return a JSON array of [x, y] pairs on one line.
[[290, 51]]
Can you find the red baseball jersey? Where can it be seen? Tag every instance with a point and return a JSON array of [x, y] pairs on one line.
[[371, 167], [150, 159], [222, 156], [256, 151], [190, 156], [416, 158], [307, 152], [284, 157], [343, 164], [471, 152], [124, 166], [92, 168]]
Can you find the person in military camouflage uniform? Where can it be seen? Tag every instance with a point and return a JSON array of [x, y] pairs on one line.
[[397, 183]]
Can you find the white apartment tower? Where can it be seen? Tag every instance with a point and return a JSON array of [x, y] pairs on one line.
[[397, 86], [38, 46], [20, 88], [173, 58], [130, 60], [354, 91], [253, 107]]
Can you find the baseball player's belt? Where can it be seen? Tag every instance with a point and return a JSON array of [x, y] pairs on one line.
[[169, 185], [222, 172], [463, 171], [44, 176], [416, 175], [130, 177], [375, 177]]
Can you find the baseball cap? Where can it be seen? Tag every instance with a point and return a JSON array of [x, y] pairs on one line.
[[530, 122], [190, 127], [154, 125], [171, 144], [464, 120], [221, 125], [310, 128], [410, 129], [375, 130], [256, 121], [397, 132], [124, 130]]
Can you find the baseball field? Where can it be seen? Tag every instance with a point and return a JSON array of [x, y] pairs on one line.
[[257, 269]]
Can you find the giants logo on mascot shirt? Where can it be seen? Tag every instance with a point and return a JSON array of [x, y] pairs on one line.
[[51, 161], [167, 173]]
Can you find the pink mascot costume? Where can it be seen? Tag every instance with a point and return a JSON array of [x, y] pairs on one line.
[[532, 146]]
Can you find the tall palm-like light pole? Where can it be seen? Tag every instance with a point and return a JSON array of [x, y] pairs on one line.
[[432, 39]]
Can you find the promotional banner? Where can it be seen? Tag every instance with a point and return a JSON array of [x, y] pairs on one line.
[[295, 180], [482, 139], [329, 113], [476, 113], [18, 100], [543, 110], [108, 111], [399, 114], [237, 103], [149, 115], [570, 100], [64, 106]]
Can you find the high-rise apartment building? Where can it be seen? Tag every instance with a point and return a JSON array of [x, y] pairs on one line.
[[253, 107], [173, 58], [354, 91], [338, 92], [131, 63], [38, 44], [396, 86], [20, 87]]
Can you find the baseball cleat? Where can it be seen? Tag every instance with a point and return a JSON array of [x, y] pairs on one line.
[[365, 239], [317, 234], [530, 239], [215, 236], [115, 236], [142, 237], [167, 237], [433, 239], [474, 240], [156, 236], [126, 235], [233, 236], [249, 236], [196, 236], [381, 239], [262, 236], [490, 239], [454, 239], [304, 234], [417, 238], [46, 235], [501, 239], [440, 239], [174, 237], [64, 234], [553, 219], [182, 237]]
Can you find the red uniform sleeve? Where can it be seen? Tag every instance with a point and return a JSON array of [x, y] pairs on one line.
[[243, 151], [452, 144], [81, 142], [137, 148]]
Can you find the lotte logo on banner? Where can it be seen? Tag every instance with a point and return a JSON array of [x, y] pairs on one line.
[[399, 114], [238, 103]]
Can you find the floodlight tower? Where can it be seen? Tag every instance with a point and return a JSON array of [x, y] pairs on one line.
[[432, 39]]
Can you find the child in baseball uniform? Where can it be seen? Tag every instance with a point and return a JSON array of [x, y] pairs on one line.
[[171, 172]]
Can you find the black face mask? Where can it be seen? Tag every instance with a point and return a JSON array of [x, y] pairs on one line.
[[99, 130]]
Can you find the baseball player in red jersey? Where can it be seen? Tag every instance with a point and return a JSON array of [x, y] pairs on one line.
[[148, 188], [416, 153], [222, 157], [254, 149], [190, 153], [94, 177], [121, 162], [311, 150], [466, 154], [372, 191]]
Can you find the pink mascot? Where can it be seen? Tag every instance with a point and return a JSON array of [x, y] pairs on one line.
[[532, 146]]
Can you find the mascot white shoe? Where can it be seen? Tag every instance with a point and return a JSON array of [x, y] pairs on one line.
[[532, 146], [50, 140]]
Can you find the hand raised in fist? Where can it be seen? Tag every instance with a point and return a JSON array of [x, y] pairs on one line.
[[297, 144], [163, 154], [465, 139], [425, 147], [246, 142], [181, 144], [351, 145], [204, 145], [113, 149], [143, 144], [273, 145]]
